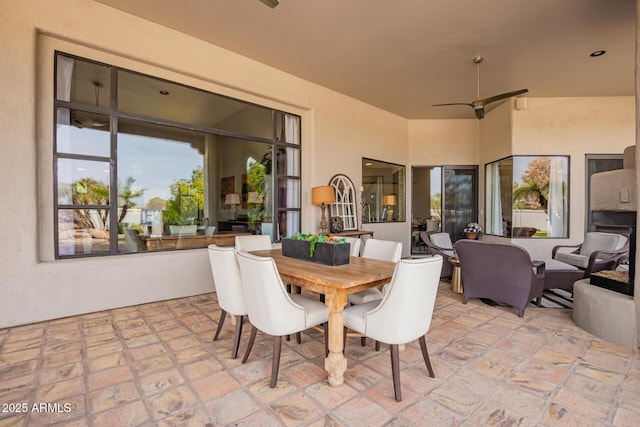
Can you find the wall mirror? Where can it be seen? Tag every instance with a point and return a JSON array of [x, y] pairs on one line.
[[383, 191], [343, 212]]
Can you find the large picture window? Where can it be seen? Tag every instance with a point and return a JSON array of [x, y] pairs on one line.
[[383, 192], [528, 196], [143, 164]]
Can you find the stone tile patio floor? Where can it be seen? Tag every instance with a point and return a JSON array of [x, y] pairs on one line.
[[155, 364]]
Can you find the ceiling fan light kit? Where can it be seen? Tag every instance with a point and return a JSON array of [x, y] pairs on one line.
[[92, 122], [479, 104]]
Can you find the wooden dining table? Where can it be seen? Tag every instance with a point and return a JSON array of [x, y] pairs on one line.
[[335, 283]]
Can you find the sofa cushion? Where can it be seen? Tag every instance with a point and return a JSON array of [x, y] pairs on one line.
[[443, 240], [578, 260], [557, 265], [596, 241]]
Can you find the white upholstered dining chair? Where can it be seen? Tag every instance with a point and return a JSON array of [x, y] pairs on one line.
[[355, 244], [228, 283], [260, 242], [404, 314], [272, 310], [385, 250]]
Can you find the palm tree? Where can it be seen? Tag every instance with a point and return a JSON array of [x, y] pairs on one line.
[[529, 195], [126, 195], [88, 191]]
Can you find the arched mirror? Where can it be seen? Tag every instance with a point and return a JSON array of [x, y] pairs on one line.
[[344, 209]]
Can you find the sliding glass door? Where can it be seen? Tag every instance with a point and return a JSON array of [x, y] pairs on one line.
[[444, 198], [460, 201]]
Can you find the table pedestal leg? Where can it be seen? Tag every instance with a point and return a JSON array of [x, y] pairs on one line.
[[335, 363], [456, 277]]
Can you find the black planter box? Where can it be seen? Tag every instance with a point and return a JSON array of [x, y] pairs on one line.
[[325, 253]]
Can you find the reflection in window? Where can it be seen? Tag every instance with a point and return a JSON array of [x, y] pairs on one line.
[[383, 194], [145, 164], [527, 196]]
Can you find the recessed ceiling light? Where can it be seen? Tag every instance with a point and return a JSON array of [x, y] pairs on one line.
[[597, 53], [164, 92], [368, 164]]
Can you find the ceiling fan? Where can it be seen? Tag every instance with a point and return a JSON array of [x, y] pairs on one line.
[[479, 104], [88, 120]]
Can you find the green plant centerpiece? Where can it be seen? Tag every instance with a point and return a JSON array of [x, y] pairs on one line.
[[315, 238], [328, 250]]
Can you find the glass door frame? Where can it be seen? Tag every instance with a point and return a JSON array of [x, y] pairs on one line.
[[456, 232], [444, 216]]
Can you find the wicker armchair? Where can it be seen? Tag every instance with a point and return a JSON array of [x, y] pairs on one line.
[[439, 243], [501, 272], [598, 251]]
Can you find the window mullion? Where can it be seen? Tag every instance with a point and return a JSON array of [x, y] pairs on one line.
[[113, 163]]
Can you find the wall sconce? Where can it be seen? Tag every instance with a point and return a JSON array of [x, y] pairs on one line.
[[232, 200], [321, 196]]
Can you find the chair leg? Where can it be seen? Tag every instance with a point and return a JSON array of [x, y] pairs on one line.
[[377, 345], [223, 314], [298, 337], [425, 356], [395, 371], [363, 341], [252, 338], [275, 362], [236, 337]]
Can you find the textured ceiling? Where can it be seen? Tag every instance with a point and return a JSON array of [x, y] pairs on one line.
[[404, 55]]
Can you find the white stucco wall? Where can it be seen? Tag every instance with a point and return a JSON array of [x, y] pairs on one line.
[[573, 127], [443, 142], [337, 132]]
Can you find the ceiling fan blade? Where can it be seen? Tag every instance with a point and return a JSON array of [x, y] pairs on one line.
[[452, 103], [494, 98], [271, 3]]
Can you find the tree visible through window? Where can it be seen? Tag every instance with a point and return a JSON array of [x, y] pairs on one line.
[[527, 196], [136, 171]]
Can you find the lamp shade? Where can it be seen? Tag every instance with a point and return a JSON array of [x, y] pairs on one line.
[[324, 194], [232, 199], [254, 197], [389, 200]]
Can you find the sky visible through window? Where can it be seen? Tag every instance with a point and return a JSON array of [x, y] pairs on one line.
[[155, 164]]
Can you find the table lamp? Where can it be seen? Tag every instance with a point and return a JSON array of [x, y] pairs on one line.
[[321, 196], [389, 201], [255, 198], [232, 200]]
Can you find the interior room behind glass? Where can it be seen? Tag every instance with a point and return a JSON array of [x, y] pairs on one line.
[[383, 191], [147, 164]]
